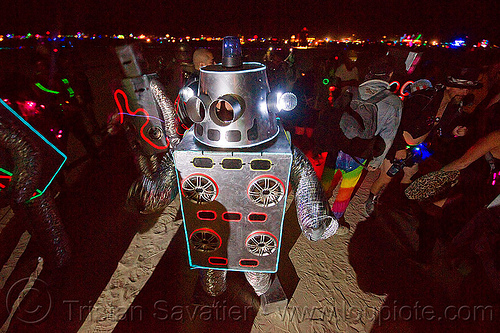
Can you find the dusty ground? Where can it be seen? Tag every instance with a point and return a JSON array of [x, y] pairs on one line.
[[327, 298]]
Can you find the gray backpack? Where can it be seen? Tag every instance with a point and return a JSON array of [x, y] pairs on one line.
[[359, 118]]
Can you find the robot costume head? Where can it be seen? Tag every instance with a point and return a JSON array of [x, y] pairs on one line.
[[234, 107]]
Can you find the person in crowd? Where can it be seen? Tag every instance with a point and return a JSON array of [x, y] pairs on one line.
[[347, 73], [451, 196], [432, 115], [201, 57], [60, 109], [351, 156], [291, 74], [482, 110], [276, 69]]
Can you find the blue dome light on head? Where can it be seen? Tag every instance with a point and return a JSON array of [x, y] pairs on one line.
[[231, 52]]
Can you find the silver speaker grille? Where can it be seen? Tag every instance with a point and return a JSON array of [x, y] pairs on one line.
[[205, 240], [199, 189], [261, 243], [266, 191]]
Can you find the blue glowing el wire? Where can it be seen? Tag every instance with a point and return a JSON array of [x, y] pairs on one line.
[[43, 138]]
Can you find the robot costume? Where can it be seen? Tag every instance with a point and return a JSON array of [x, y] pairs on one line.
[[151, 126], [234, 166], [29, 164]]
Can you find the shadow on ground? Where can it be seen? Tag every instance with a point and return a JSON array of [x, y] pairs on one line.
[[448, 292]]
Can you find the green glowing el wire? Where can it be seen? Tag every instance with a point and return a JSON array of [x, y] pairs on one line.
[[45, 89], [6, 172]]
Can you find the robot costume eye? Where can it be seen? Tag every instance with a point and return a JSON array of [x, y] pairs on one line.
[[196, 107], [227, 109]]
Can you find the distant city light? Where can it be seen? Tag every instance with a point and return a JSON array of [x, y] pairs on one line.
[[295, 41], [458, 43]]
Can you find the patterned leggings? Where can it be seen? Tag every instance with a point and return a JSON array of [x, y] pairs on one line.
[[348, 171]]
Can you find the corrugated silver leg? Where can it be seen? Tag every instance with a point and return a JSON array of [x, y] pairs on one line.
[[40, 212], [168, 110], [213, 281], [152, 194], [312, 207], [259, 281]]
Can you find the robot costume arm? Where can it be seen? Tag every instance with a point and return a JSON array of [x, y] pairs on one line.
[[312, 207], [40, 212]]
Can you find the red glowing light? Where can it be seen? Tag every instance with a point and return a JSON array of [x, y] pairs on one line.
[[217, 261], [5, 177], [55, 50], [231, 216], [249, 262], [398, 85], [403, 88], [124, 96]]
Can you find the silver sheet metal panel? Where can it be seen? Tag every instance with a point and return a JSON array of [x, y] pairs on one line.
[[233, 203]]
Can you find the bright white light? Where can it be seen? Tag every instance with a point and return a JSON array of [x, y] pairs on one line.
[[286, 101], [186, 93], [263, 107], [278, 96]]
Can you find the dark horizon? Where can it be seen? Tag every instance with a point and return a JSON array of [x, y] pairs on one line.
[[335, 19]]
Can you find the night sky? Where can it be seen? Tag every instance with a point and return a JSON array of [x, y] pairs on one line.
[[281, 18]]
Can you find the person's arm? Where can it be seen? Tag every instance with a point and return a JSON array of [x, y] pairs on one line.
[[411, 141], [479, 149], [388, 131]]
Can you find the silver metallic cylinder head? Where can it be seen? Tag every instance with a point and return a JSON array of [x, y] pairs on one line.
[[231, 110]]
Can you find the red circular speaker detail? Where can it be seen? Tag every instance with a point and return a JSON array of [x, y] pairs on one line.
[[261, 243], [199, 188], [205, 240], [266, 191]]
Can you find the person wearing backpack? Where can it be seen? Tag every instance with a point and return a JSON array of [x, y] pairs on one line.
[[431, 115], [369, 118]]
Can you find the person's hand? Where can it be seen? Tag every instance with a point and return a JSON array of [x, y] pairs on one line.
[[400, 154], [459, 131], [371, 168]]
